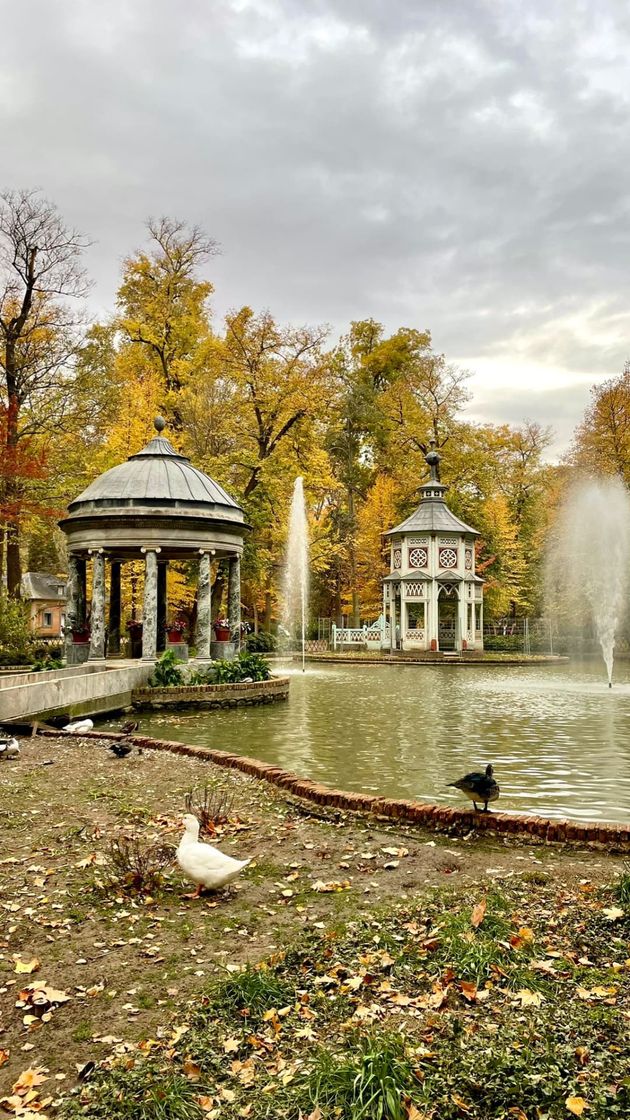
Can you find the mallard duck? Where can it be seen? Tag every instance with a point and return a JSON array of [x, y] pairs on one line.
[[80, 727], [121, 750], [9, 748], [479, 787], [130, 726], [205, 865]]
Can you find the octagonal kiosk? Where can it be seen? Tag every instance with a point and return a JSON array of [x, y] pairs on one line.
[[156, 507], [432, 598]]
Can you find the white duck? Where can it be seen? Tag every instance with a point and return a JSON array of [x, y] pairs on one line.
[[80, 727], [9, 748], [205, 865]]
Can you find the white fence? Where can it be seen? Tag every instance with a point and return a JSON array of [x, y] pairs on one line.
[[366, 637]]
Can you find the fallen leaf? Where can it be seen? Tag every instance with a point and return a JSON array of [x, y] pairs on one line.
[[28, 1079], [576, 1105], [334, 885], [478, 914], [529, 999], [613, 913], [191, 1070], [26, 966], [468, 990], [4, 1056]]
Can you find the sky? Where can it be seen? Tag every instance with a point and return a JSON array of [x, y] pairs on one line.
[[461, 166]]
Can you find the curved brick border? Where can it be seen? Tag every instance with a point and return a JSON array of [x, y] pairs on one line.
[[441, 818]]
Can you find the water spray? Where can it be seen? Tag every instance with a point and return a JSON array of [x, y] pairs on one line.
[[296, 575], [589, 563]]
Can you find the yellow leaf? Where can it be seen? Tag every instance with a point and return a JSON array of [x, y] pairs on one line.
[[576, 1105], [529, 999], [4, 1056], [28, 1079], [613, 913], [479, 913], [26, 966]]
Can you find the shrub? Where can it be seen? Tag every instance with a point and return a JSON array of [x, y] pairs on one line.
[[211, 807], [137, 865], [245, 665], [15, 636], [263, 642], [167, 672]]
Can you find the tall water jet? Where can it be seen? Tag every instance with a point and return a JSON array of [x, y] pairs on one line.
[[296, 571], [588, 568]]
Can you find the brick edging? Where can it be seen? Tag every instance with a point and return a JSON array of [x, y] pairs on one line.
[[441, 818]]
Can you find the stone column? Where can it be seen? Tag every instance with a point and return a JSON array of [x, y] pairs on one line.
[[97, 614], [403, 616], [73, 603], [149, 607], [234, 600], [113, 637], [203, 636], [162, 604], [392, 617], [384, 615]]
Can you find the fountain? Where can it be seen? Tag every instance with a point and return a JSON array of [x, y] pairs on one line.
[[296, 571], [589, 560]]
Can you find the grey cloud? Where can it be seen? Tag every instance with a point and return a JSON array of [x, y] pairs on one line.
[[455, 166]]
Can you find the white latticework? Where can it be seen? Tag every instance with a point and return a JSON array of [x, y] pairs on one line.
[[414, 635], [397, 560], [418, 557], [414, 590], [448, 558], [418, 542], [469, 560]]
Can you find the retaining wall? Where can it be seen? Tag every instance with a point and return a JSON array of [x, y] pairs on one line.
[[441, 818], [80, 690], [211, 695]]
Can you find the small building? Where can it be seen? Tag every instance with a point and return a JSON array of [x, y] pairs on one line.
[[45, 595], [432, 598]]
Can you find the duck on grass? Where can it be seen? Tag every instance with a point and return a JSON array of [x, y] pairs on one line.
[[170, 672]]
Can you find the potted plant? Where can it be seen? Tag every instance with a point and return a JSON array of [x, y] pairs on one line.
[[175, 630], [80, 633], [222, 629]]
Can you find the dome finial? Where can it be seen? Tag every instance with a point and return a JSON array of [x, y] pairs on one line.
[[432, 459], [159, 423]]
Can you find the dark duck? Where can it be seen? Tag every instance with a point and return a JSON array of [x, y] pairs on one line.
[[479, 786]]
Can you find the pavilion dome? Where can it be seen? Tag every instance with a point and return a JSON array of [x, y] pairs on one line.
[[157, 494], [157, 475]]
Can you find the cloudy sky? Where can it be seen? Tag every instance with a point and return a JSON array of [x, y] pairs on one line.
[[459, 165]]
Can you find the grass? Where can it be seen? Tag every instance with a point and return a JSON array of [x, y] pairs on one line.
[[252, 991], [622, 887], [375, 1081], [146, 1092]]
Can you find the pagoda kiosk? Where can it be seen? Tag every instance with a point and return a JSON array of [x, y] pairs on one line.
[[432, 599]]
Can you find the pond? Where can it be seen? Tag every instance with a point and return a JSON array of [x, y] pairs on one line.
[[558, 738]]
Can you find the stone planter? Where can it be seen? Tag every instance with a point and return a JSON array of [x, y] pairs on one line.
[[179, 648], [222, 651]]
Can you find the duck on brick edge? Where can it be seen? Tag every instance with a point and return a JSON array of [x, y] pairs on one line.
[[479, 786]]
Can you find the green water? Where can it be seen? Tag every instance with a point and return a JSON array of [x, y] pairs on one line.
[[558, 738]]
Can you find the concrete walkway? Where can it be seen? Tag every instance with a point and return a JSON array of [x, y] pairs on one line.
[[79, 690]]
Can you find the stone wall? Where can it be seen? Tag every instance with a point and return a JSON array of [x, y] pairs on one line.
[[211, 695]]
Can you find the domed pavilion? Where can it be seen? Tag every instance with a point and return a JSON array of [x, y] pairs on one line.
[[432, 598], [156, 507]]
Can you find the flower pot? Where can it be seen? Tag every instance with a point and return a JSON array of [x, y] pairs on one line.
[[222, 633], [80, 639], [175, 635]]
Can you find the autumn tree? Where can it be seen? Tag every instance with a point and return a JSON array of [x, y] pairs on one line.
[[601, 444], [162, 304], [41, 280]]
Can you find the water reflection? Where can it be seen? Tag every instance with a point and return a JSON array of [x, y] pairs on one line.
[[557, 736]]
